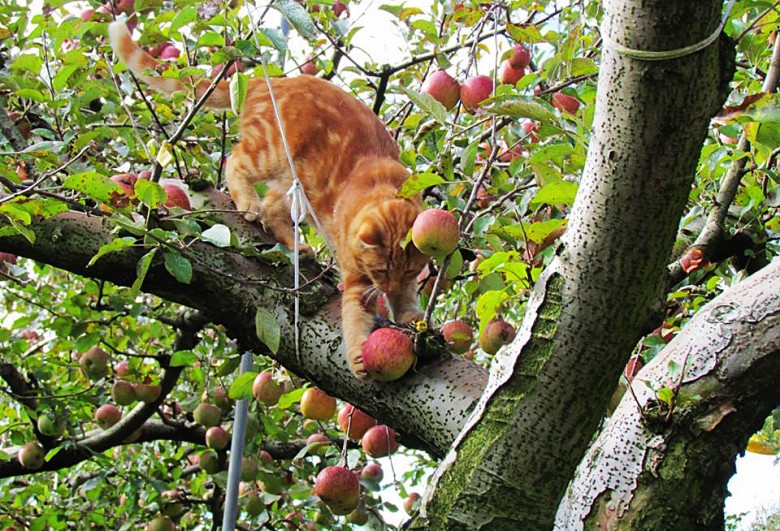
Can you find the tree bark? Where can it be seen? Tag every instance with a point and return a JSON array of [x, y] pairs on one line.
[[547, 391], [652, 467], [427, 408]]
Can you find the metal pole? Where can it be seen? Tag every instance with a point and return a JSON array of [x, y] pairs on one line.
[[230, 514]]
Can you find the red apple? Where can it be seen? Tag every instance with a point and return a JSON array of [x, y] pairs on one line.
[[508, 154], [372, 473], [339, 8], [123, 392], [411, 503], [387, 354], [435, 232], [170, 52], [426, 279], [207, 415], [107, 415], [122, 369], [217, 437], [458, 335], [145, 174], [379, 441], [474, 91], [51, 425], [161, 523], [125, 6], [510, 75], [319, 443], [338, 488], [565, 103], [86, 15], [31, 455], [146, 392], [176, 195], [126, 182], [443, 88], [8, 257], [531, 129], [309, 66], [317, 404], [23, 125], [520, 58], [94, 363], [497, 333], [266, 390], [358, 424], [358, 517]]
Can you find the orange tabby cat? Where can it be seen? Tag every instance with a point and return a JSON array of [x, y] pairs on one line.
[[348, 166]]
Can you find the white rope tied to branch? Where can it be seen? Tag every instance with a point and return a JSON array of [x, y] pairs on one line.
[[649, 55]]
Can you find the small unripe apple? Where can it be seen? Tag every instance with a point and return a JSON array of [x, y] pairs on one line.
[[248, 469], [319, 443], [435, 232], [565, 103], [94, 363], [338, 488], [358, 517], [317, 404], [147, 392], [443, 88], [458, 335], [510, 75], [209, 463], [388, 354], [372, 473], [51, 425], [497, 333], [254, 505], [207, 415], [31, 455], [107, 415], [520, 58], [379, 441], [161, 523], [474, 91], [123, 392], [217, 437], [411, 503], [358, 425], [309, 66], [265, 389], [122, 369]]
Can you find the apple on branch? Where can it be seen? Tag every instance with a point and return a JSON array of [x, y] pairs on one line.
[[338, 488], [317, 404], [354, 422], [435, 232], [443, 88], [474, 91], [388, 354]]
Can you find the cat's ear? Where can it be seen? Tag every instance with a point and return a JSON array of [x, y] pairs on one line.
[[370, 235]]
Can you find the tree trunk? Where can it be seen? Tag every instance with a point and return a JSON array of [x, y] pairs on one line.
[[548, 390], [653, 467]]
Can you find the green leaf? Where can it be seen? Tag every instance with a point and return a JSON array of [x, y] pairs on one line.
[[28, 62], [165, 155], [60, 80], [267, 329], [47, 146], [665, 395], [211, 38], [429, 104], [519, 107], [112, 247], [525, 33], [487, 306], [241, 388], [184, 16], [183, 358], [178, 266], [238, 88], [298, 17], [417, 183], [95, 186], [141, 270], [535, 232], [556, 193], [218, 235], [32, 94], [288, 399], [468, 158], [149, 193]]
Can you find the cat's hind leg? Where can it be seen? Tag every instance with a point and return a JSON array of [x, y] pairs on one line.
[[276, 219], [240, 182]]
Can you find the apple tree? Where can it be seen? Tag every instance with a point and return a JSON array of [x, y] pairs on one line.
[[602, 298]]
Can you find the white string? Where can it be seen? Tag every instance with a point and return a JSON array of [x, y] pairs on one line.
[[647, 55]]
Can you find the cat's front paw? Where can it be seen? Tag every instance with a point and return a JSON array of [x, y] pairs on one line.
[[355, 359], [411, 317]]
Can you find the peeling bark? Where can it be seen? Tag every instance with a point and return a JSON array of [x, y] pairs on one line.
[[510, 466], [647, 472]]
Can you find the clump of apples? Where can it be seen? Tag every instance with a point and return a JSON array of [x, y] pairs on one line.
[[338, 488], [317, 404], [474, 91], [565, 103], [388, 354], [458, 335], [355, 422], [497, 333], [379, 441], [443, 88], [435, 232], [266, 390], [31, 455], [94, 363]]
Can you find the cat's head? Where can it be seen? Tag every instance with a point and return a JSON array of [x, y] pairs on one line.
[[380, 230]]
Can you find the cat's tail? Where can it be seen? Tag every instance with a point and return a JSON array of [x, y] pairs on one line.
[[140, 63]]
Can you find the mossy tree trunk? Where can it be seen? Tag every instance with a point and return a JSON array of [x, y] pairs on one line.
[[548, 390]]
